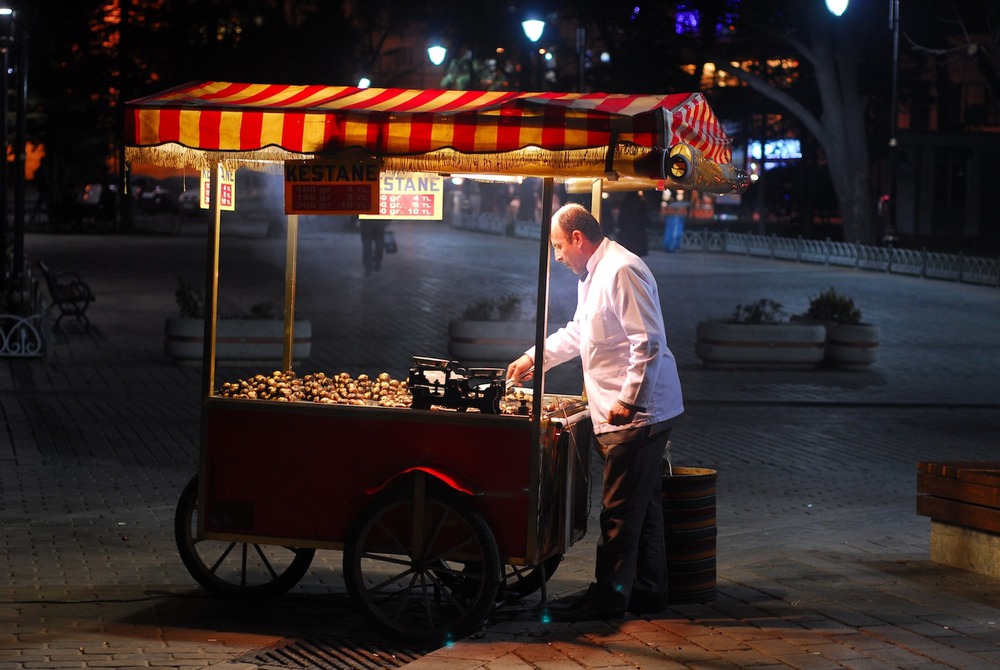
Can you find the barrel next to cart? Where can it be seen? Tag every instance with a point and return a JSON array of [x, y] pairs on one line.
[[688, 498]]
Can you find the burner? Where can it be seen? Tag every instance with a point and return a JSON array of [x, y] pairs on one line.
[[437, 381]]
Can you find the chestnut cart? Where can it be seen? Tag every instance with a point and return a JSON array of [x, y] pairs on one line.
[[440, 514], [445, 507]]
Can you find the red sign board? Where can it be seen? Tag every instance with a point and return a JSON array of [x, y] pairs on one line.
[[330, 186]]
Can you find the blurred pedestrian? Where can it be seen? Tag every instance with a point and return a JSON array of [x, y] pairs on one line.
[[372, 243]]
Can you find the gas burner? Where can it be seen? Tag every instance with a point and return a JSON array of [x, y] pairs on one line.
[[441, 382]]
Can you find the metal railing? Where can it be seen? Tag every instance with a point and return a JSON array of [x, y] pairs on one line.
[[22, 334], [919, 263]]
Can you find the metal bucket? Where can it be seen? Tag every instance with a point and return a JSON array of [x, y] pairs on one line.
[[688, 496]]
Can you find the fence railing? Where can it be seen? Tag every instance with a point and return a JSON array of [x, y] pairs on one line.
[[22, 335], [919, 263]]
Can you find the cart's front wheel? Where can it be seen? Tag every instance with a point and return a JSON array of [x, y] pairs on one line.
[[232, 568], [424, 569]]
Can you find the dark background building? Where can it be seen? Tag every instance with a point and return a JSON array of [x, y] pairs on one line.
[[811, 100]]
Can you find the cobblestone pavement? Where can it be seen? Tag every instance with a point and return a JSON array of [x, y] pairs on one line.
[[822, 561]]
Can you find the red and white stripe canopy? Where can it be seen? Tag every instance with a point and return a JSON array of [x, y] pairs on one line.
[[248, 121]]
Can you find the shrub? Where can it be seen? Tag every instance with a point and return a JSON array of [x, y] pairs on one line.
[[190, 300], [764, 311], [832, 306]]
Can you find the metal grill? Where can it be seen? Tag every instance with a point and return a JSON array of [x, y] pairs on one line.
[[329, 652]]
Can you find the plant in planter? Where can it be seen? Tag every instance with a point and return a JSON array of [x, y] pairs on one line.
[[759, 334], [849, 342], [492, 331], [254, 335]]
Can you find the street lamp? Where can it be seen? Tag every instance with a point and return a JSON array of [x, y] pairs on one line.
[[533, 29], [837, 7], [887, 202], [436, 53]]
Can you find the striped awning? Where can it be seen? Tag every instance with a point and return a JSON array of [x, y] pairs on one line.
[[423, 129]]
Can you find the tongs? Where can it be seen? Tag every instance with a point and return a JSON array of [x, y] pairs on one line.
[[513, 380]]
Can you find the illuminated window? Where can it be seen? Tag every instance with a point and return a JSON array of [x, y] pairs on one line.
[[687, 19]]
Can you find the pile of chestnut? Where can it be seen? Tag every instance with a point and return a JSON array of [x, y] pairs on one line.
[[339, 389]]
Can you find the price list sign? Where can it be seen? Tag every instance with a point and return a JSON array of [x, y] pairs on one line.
[[329, 186], [411, 195], [226, 195]]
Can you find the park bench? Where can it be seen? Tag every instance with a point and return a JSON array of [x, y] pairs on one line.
[[69, 293], [962, 498]]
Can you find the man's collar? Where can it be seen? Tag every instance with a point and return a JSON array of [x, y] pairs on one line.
[[596, 257]]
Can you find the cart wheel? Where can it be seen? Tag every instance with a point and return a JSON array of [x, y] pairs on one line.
[[424, 569], [520, 581], [230, 568]]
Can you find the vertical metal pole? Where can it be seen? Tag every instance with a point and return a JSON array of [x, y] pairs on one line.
[[4, 132], [8, 42], [124, 217], [212, 287], [541, 316], [893, 111], [291, 270], [538, 386], [20, 141], [596, 198]]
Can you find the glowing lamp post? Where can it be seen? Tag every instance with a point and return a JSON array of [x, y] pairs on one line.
[[437, 54], [533, 29], [886, 209], [837, 7]]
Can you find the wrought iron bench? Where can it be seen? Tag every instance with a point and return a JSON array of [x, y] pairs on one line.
[[69, 293]]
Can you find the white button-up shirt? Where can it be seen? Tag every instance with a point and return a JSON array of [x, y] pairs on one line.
[[618, 333]]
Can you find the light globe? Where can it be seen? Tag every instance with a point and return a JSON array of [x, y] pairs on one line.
[[533, 29], [837, 7]]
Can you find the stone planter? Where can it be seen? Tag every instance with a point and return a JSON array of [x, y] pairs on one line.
[[783, 345], [237, 340], [852, 346], [489, 343]]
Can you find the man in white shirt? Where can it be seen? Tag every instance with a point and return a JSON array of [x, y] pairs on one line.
[[634, 395]]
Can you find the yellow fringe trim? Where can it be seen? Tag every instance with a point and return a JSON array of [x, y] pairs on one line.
[[629, 162]]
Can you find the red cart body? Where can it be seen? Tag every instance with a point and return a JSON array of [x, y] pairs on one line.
[[297, 473]]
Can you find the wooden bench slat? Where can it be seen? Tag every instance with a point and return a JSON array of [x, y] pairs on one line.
[[981, 472], [957, 489], [959, 513]]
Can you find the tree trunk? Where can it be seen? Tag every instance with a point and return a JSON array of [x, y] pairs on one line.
[[840, 128], [845, 137]]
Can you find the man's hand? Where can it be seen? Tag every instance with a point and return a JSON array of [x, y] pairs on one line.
[[522, 366], [620, 415]]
